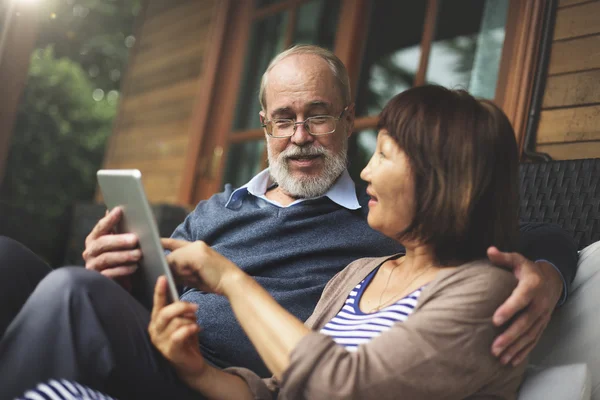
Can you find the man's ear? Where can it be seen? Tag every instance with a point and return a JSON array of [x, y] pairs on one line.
[[350, 118], [262, 116]]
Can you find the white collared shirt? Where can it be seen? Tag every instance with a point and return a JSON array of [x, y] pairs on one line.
[[343, 191]]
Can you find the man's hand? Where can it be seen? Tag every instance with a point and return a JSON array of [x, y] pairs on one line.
[[535, 297], [113, 255], [174, 332]]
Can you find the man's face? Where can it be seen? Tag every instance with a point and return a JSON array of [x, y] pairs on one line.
[[298, 87]]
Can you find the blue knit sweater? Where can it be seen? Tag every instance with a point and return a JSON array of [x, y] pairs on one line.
[[293, 252]]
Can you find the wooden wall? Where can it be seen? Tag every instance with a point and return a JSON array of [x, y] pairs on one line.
[[570, 118], [19, 31], [164, 77]]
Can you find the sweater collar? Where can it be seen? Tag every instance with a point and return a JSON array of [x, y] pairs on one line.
[[343, 191]]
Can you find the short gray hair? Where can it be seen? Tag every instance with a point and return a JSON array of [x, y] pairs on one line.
[[338, 69]]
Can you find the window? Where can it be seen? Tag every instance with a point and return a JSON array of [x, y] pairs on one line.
[[463, 42], [388, 47], [290, 23]]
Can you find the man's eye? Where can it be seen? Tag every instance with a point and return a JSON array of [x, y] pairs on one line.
[[320, 120], [282, 124]]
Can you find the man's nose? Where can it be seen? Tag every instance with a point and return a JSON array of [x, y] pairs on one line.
[[301, 135]]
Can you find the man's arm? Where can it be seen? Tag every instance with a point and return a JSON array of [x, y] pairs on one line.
[[550, 243], [543, 283]]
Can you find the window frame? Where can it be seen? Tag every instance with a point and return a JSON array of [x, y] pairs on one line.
[[206, 159]]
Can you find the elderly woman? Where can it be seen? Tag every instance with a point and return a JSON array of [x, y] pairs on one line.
[[443, 182]]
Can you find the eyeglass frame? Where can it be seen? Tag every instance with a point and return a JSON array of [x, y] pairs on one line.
[[337, 119]]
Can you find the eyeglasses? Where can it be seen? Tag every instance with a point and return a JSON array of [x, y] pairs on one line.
[[316, 126]]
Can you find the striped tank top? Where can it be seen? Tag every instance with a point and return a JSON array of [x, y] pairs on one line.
[[351, 327]]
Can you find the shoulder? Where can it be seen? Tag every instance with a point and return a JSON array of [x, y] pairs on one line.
[[478, 286], [216, 200]]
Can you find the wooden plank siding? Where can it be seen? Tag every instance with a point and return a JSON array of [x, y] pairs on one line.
[[19, 32], [569, 126], [577, 21], [164, 77]]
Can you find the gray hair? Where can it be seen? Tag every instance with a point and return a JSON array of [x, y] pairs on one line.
[[338, 69]]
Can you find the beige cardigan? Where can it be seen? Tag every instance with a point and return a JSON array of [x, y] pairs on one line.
[[442, 351]]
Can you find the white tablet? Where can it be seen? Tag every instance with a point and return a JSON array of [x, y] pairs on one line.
[[123, 187]]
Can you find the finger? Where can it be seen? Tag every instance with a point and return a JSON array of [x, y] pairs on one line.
[[520, 298], [524, 353], [525, 343], [106, 243], [106, 224], [113, 259], [173, 244], [514, 332], [120, 271], [184, 333], [165, 331], [504, 259], [175, 311]]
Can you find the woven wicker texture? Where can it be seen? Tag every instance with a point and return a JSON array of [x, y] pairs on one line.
[[566, 193]]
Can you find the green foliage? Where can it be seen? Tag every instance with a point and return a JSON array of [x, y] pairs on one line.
[[59, 138], [64, 118], [97, 34]]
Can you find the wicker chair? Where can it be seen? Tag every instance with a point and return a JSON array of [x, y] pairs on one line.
[[566, 193], [566, 362]]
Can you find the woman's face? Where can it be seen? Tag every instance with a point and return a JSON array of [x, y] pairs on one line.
[[391, 187]]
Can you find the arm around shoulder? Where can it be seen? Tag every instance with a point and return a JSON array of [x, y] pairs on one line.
[[440, 351], [549, 242]]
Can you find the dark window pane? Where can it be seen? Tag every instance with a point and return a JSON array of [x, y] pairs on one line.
[[392, 54], [468, 45], [316, 23], [364, 143], [243, 162], [265, 42], [263, 3]]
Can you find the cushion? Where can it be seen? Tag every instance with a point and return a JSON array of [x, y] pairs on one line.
[[573, 335], [565, 382]]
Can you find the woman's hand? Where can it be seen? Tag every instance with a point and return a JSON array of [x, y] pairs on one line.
[[197, 265], [174, 332]]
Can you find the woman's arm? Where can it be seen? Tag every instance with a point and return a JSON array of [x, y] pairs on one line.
[[174, 332], [216, 384], [442, 351], [274, 332]]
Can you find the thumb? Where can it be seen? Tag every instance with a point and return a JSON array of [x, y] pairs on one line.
[[502, 258], [173, 244]]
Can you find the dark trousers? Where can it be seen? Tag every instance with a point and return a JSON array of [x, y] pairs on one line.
[[76, 324]]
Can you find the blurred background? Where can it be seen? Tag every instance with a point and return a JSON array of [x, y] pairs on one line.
[[170, 87]]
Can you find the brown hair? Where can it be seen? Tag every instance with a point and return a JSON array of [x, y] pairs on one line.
[[464, 160]]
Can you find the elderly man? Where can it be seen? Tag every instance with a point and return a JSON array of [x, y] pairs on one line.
[[292, 227]]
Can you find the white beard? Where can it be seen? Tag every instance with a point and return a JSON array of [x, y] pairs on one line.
[[306, 187]]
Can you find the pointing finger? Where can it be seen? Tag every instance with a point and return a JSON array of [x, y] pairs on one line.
[[173, 244]]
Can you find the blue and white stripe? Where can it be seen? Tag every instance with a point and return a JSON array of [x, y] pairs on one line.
[[63, 390], [351, 327]]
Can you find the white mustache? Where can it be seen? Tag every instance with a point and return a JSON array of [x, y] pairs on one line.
[[298, 151]]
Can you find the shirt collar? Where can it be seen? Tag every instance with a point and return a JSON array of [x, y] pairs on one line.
[[343, 191]]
